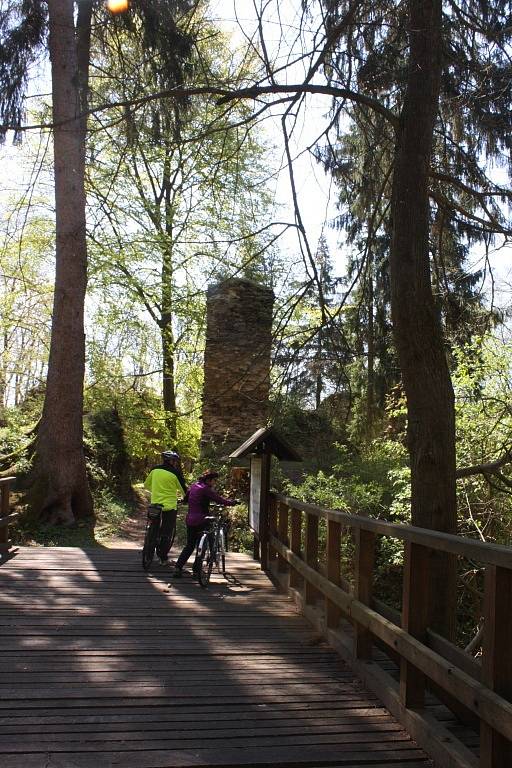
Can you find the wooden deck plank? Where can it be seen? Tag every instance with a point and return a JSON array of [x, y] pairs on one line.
[[102, 665], [265, 757]]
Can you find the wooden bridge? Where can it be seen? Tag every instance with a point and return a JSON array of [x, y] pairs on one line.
[[102, 665]]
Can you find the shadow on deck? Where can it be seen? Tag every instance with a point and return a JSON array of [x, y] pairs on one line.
[[103, 665]]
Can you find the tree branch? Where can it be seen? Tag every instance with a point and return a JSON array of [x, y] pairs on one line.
[[489, 468], [225, 95]]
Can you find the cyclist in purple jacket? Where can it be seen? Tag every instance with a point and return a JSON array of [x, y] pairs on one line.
[[200, 494]]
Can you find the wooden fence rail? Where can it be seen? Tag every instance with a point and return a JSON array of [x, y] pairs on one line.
[[426, 660], [6, 516]]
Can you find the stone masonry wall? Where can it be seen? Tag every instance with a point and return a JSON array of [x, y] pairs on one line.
[[236, 363]]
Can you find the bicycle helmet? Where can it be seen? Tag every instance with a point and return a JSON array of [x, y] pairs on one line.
[[170, 455]]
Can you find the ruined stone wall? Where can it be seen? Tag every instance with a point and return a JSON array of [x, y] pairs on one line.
[[236, 363]]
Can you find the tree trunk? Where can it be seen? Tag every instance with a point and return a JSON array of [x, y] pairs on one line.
[[370, 375], [416, 321], [318, 369], [3, 374], [169, 397], [167, 336], [166, 329], [60, 490]]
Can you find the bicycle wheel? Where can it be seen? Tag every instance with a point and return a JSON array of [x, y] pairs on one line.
[[220, 555], [205, 563], [150, 540]]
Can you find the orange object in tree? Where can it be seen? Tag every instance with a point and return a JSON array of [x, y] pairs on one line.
[[117, 6]]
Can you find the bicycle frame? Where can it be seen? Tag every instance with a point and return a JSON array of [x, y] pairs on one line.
[[217, 524], [212, 544]]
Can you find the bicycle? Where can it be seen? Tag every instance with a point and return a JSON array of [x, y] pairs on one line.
[[153, 523], [212, 548]]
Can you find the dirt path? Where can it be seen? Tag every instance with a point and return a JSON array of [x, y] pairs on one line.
[[131, 532]]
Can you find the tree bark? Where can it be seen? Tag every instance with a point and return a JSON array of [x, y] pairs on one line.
[[60, 489], [167, 336], [318, 369], [168, 391], [166, 329], [3, 374], [370, 376], [416, 321]]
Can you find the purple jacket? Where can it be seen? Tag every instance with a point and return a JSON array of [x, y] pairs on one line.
[[199, 497]]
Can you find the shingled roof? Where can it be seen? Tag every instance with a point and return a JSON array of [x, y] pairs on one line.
[[263, 439]]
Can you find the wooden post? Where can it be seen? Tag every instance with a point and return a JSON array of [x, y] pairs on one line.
[[495, 749], [364, 561], [282, 528], [415, 613], [264, 509], [332, 612], [272, 527], [296, 545], [264, 443], [310, 592], [4, 511]]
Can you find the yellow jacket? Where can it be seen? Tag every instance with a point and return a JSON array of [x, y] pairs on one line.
[[164, 487]]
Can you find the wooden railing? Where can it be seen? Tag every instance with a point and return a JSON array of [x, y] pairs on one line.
[[426, 660], [6, 516]]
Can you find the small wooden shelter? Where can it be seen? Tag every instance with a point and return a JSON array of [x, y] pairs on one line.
[[259, 448]]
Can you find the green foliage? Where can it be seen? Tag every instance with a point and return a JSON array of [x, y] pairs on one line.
[[240, 536], [17, 434], [314, 433], [110, 515], [111, 512], [376, 477], [483, 389], [375, 481], [141, 418], [177, 194], [106, 450], [22, 34], [26, 253]]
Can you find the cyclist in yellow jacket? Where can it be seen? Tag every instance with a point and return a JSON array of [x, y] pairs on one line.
[[165, 483]]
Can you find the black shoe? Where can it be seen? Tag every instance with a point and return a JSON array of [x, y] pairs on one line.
[[177, 573]]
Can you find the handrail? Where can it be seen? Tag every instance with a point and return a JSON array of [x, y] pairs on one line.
[[472, 694], [6, 516], [425, 658], [484, 552]]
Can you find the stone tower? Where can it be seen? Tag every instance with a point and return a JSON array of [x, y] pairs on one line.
[[236, 363]]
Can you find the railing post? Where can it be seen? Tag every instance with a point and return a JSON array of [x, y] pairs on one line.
[[296, 546], [495, 749], [332, 612], [363, 586], [272, 527], [310, 592], [282, 527], [415, 612], [4, 511]]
